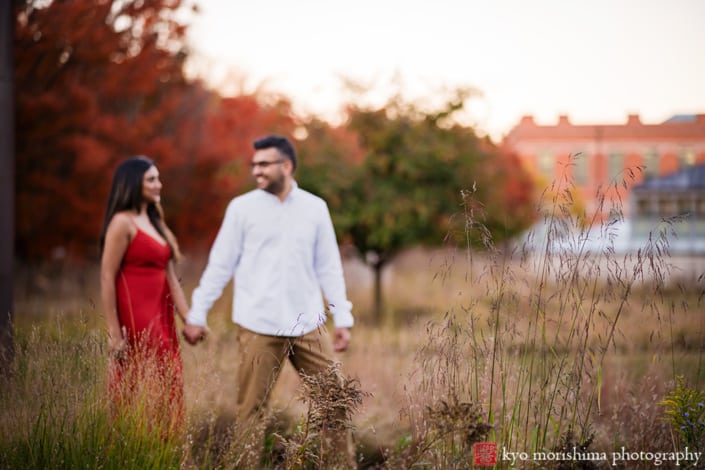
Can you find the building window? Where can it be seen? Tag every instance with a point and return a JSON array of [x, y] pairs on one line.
[[580, 168], [699, 219], [686, 157], [645, 207], [667, 207], [615, 165], [683, 206], [700, 205], [651, 163], [546, 164]]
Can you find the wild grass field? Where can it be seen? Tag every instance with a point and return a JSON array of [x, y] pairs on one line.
[[555, 359], [529, 353]]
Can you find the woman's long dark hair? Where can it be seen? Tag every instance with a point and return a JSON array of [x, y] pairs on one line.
[[126, 195]]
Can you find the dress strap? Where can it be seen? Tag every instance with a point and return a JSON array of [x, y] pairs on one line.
[[134, 225]]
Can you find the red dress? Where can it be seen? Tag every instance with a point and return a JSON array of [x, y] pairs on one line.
[[151, 369]]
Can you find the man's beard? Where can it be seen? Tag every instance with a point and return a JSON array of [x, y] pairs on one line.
[[274, 186]]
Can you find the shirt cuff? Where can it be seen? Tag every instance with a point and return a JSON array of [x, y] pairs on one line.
[[196, 319], [342, 317]]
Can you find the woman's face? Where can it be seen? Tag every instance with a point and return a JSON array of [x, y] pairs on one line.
[[151, 186]]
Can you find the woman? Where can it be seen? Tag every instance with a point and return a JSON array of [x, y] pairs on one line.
[[140, 291]]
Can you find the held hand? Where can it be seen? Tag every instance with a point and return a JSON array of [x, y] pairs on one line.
[[341, 338], [117, 345], [194, 333]]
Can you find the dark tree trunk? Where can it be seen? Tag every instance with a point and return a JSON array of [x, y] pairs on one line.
[[7, 183], [378, 297]]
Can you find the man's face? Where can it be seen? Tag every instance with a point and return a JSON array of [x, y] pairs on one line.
[[269, 169]]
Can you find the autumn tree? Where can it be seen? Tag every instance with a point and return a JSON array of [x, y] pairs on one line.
[[407, 190], [216, 149], [97, 81], [330, 155]]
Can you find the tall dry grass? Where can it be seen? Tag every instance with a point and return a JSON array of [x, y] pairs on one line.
[[534, 350], [56, 413], [536, 344]]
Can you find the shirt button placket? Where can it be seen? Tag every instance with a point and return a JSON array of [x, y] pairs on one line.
[[283, 259]]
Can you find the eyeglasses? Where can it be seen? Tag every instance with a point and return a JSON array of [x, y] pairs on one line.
[[265, 163]]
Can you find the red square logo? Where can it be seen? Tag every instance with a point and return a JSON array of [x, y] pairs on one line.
[[485, 454]]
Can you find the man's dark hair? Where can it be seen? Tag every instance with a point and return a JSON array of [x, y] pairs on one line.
[[280, 143]]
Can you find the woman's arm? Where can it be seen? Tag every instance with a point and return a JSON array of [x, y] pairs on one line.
[[117, 238], [177, 293]]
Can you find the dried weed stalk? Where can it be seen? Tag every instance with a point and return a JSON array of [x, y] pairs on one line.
[[323, 438]]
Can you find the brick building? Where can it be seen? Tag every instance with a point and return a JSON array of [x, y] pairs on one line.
[[607, 160], [679, 198]]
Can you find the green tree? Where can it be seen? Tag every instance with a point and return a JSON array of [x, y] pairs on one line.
[[407, 188], [330, 156]]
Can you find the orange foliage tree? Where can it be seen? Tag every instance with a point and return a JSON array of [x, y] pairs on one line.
[[98, 81], [215, 151]]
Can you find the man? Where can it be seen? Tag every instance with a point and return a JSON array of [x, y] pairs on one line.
[[279, 245]]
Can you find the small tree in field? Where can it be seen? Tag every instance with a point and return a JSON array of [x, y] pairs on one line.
[[400, 184]]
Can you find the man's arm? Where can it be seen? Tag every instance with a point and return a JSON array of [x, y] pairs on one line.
[[329, 270], [222, 261]]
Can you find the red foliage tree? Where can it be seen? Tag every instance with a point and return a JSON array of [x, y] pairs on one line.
[[215, 150], [101, 80], [96, 82]]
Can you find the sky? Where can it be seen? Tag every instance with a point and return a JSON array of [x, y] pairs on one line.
[[595, 61]]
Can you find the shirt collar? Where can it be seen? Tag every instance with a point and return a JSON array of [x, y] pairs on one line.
[[294, 190]]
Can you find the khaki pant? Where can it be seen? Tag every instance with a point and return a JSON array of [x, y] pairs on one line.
[[260, 359]]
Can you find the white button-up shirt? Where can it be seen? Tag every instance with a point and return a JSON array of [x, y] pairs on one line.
[[284, 258]]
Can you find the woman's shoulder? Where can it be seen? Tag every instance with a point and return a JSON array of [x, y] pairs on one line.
[[123, 221]]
